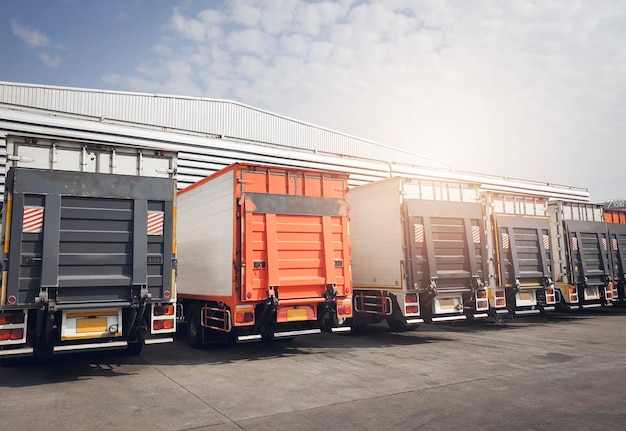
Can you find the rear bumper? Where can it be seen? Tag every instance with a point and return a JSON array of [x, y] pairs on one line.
[[120, 344], [22, 351]]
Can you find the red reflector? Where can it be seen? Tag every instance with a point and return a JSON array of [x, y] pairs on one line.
[[12, 299], [166, 294]]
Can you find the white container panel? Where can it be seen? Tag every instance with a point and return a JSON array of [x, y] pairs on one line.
[[376, 235], [205, 226]]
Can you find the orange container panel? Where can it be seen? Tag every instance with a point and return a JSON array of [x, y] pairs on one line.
[[294, 234], [615, 216]]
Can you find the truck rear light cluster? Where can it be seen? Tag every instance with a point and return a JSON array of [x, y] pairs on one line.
[[13, 327], [550, 295], [244, 314], [344, 307], [610, 291], [500, 298], [163, 318], [572, 293], [482, 303], [411, 304]]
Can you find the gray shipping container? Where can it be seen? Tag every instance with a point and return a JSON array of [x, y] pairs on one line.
[[88, 247], [582, 262]]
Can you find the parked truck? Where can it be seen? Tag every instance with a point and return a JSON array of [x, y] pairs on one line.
[[418, 252], [616, 228], [88, 253], [580, 246], [264, 253], [520, 257]]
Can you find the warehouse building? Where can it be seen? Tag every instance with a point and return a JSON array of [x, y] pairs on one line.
[[209, 134]]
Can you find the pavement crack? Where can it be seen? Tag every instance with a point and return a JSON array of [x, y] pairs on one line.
[[225, 416]]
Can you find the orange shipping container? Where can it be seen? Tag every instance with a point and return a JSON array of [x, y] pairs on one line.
[[263, 252]]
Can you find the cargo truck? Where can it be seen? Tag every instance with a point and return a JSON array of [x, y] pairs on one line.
[[263, 254], [88, 254], [520, 257], [418, 252], [616, 227], [580, 246]]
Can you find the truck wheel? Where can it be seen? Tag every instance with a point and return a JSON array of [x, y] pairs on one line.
[[194, 328], [400, 326], [134, 349]]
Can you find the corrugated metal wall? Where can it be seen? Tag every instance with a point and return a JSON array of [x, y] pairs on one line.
[[203, 115]]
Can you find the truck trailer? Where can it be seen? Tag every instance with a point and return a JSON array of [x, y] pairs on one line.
[[88, 254], [263, 254], [616, 228], [520, 257], [418, 252], [580, 244]]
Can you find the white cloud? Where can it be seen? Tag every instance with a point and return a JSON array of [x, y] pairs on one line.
[[33, 38], [245, 13], [206, 26], [251, 41], [513, 88], [48, 60]]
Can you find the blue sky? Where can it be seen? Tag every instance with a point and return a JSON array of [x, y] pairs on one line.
[[521, 88]]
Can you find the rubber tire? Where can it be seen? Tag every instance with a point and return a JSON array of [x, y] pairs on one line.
[[194, 329], [134, 349], [399, 326]]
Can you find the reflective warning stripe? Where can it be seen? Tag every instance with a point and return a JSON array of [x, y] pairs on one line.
[[505, 240], [33, 220], [574, 243], [614, 244], [155, 222], [476, 234], [546, 242], [604, 245], [419, 232]]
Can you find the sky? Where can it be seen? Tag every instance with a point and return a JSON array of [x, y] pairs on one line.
[[531, 89]]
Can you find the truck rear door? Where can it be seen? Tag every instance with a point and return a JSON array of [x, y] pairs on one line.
[[446, 242], [617, 236], [295, 236], [524, 256], [589, 256], [82, 236]]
